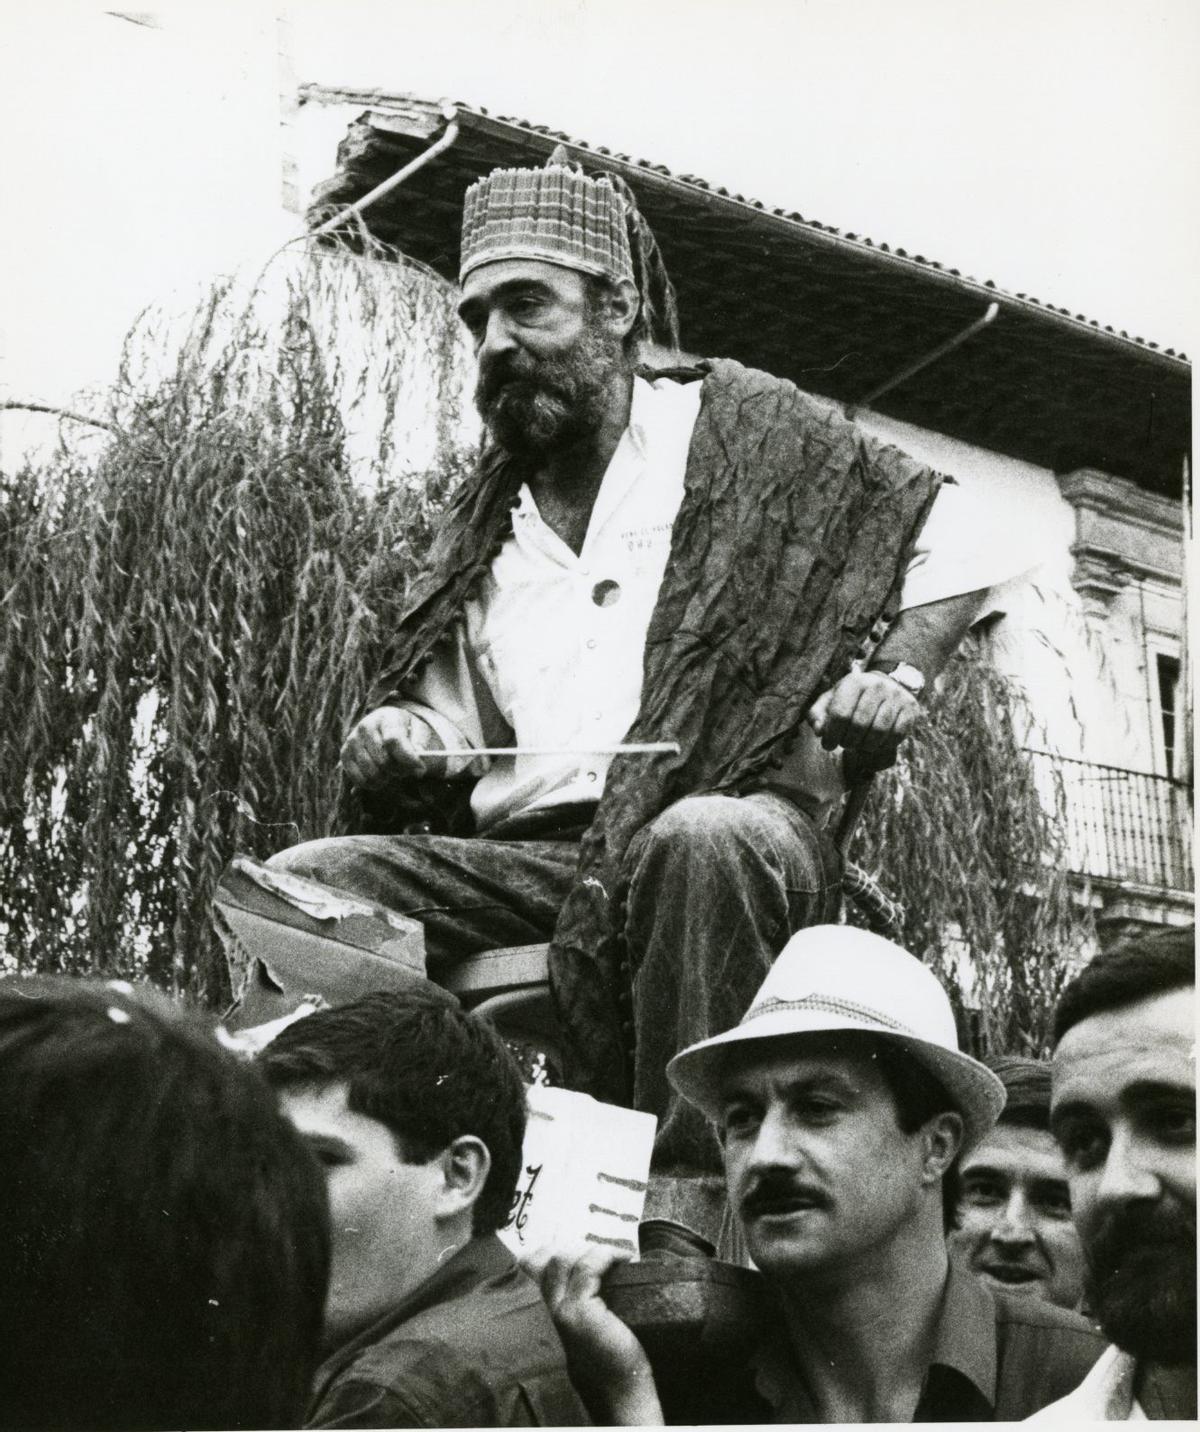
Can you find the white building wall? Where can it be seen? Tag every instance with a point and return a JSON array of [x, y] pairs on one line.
[[1089, 673]]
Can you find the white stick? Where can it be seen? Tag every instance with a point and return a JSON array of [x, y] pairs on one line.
[[645, 748]]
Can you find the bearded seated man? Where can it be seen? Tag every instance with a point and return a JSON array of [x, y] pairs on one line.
[[699, 556]]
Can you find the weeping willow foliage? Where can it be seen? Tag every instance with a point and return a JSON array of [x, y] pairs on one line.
[[960, 832], [191, 615], [193, 606]]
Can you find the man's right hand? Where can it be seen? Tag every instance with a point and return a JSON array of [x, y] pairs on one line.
[[606, 1360], [386, 743]]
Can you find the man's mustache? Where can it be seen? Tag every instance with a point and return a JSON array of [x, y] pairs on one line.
[[774, 1192], [500, 372]]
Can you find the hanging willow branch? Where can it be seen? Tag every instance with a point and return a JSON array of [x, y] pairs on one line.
[[974, 849], [190, 614], [11, 405]]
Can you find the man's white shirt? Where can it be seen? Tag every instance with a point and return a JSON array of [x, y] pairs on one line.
[[1104, 1395], [550, 651]]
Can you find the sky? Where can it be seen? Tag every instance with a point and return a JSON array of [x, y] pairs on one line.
[[1048, 146]]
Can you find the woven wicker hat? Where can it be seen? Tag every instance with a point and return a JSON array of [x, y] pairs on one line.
[[555, 214], [833, 978]]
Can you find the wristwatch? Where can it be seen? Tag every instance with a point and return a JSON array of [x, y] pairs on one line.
[[904, 675]]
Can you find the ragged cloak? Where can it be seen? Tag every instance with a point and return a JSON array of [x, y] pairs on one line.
[[790, 545]]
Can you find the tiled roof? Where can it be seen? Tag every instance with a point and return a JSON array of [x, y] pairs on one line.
[[791, 214], [838, 312]]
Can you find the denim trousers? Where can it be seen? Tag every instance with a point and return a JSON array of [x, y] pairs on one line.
[[716, 885]]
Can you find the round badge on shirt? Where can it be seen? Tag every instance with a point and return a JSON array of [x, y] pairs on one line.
[[606, 593]]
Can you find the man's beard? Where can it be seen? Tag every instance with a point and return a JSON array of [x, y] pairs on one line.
[[1141, 1283], [533, 406]]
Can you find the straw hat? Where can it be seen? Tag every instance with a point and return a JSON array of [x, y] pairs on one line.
[[835, 977]]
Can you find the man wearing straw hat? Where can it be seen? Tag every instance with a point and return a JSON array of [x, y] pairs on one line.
[[842, 1104], [695, 560]]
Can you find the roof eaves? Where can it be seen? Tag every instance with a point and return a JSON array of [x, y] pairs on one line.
[[425, 118]]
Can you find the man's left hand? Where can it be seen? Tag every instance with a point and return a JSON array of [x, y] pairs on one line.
[[866, 712]]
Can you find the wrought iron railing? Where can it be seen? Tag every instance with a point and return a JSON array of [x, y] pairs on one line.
[[1120, 825]]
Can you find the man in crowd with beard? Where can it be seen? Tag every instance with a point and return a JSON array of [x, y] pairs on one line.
[[1124, 1113], [1013, 1225], [698, 556]]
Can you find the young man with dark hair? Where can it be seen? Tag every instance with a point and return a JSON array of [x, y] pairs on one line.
[[1123, 1110], [417, 1112], [164, 1234], [1013, 1224], [841, 1100]]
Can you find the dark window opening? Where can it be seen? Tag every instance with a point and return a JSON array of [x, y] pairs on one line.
[[1168, 687]]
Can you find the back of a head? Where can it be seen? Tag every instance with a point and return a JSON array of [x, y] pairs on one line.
[[426, 1069], [164, 1231], [1139, 969], [1027, 1089]]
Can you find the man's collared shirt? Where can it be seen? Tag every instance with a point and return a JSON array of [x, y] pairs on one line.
[[551, 651], [1116, 1389], [1104, 1395], [995, 1359], [473, 1346]]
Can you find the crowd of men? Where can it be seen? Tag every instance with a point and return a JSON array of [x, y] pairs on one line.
[[697, 564], [838, 1147], [190, 1240]]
